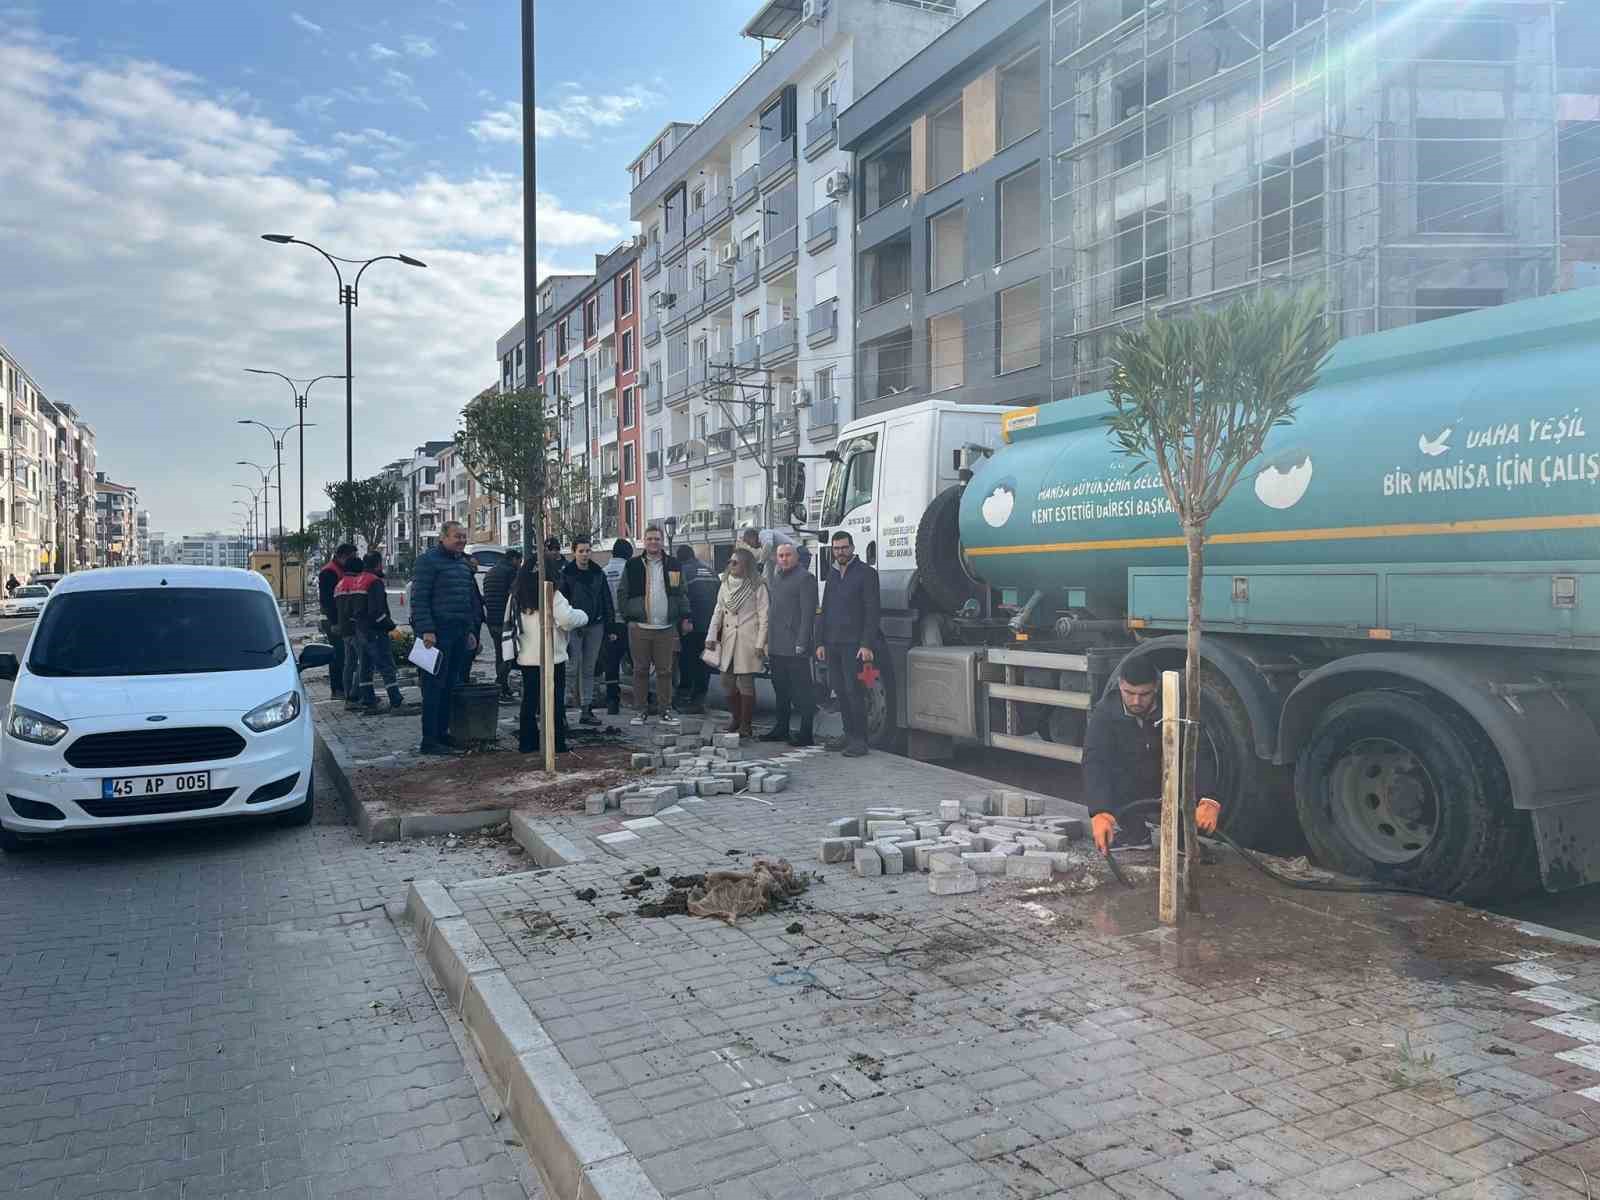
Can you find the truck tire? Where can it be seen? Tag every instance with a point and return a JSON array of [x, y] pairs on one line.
[[883, 725], [940, 575], [1391, 787], [1256, 797]]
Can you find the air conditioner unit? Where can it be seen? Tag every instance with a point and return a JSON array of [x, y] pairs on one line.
[[812, 11], [730, 254], [667, 300], [836, 184], [800, 398], [644, 379]]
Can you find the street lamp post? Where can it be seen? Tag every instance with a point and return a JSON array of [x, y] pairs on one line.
[[302, 393], [266, 475], [278, 436], [349, 296]]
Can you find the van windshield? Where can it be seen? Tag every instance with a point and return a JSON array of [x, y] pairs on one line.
[[850, 481], [158, 631]]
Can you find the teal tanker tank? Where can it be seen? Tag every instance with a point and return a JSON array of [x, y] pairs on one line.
[[1471, 440]]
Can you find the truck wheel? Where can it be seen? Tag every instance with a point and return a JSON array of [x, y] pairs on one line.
[[940, 574], [1257, 804], [883, 727], [1389, 787]]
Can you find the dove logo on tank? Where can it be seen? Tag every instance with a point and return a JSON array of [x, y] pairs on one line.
[[1282, 483], [998, 504]]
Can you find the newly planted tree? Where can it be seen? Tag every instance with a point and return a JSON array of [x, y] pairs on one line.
[[361, 506], [1194, 399]]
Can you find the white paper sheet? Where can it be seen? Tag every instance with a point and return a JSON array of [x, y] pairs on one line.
[[425, 657]]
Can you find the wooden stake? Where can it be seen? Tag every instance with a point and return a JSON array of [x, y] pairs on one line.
[[547, 674], [1171, 742]]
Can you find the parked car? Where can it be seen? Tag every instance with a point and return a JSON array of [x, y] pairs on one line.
[[48, 578], [26, 601], [155, 694]]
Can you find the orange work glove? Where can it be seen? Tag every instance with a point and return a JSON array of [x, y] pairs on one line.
[[1105, 828], [1206, 814]]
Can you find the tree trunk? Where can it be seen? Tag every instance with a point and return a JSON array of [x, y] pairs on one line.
[[1194, 537]]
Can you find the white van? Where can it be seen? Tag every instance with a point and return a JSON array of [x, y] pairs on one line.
[[155, 694]]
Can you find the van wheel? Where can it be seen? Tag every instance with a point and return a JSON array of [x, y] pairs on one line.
[[1390, 787], [301, 813]]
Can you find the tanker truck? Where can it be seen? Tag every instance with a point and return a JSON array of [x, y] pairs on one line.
[[1401, 598]]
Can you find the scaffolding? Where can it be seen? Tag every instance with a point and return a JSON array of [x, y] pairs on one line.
[[1396, 153]]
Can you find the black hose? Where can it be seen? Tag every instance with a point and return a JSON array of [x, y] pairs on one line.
[[1116, 870]]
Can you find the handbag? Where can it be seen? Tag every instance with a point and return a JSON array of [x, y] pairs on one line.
[[712, 658]]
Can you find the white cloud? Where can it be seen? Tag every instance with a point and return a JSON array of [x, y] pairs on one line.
[[378, 52], [418, 47], [575, 116], [308, 25], [138, 288]]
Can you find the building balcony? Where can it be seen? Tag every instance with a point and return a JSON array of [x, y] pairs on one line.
[[719, 288], [822, 227], [651, 330], [719, 208], [820, 131], [652, 391], [694, 226], [747, 272], [719, 447], [650, 260], [786, 431], [677, 384], [677, 458], [672, 247], [780, 254], [722, 517], [824, 420], [697, 375], [747, 354], [677, 316], [653, 464], [694, 303], [822, 323], [778, 164], [746, 187], [719, 368], [780, 343]]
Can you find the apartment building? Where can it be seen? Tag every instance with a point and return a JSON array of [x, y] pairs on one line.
[[414, 523], [116, 523], [70, 495], [747, 263], [1046, 174], [587, 362], [210, 549], [22, 515]]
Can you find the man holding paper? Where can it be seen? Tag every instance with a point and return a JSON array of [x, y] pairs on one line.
[[444, 614]]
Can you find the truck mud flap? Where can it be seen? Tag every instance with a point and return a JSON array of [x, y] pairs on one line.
[[1568, 840]]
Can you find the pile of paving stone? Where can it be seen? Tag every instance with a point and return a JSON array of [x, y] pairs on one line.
[[1000, 832], [694, 760]]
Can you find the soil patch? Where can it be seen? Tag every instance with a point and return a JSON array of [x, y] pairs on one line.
[[495, 779]]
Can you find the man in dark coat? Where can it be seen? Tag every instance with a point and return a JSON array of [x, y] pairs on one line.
[[335, 569], [496, 597], [849, 634], [445, 609], [616, 645], [701, 585], [1122, 757], [584, 583], [791, 620]]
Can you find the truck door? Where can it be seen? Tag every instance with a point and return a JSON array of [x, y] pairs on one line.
[[850, 501]]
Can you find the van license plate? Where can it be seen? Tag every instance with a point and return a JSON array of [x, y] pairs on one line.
[[139, 787]]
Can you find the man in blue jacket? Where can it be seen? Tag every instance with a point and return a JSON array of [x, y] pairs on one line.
[[445, 612]]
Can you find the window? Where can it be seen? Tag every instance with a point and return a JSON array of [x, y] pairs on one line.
[[1460, 176], [749, 325], [777, 120], [1142, 257], [825, 385], [1018, 344], [628, 414], [944, 145], [827, 285], [1283, 17], [630, 515], [591, 318], [629, 463], [697, 199], [886, 271], [1142, 143], [1019, 214], [561, 339], [627, 349], [850, 481], [1291, 204], [886, 175], [1019, 99], [888, 365], [945, 352], [824, 94], [947, 248], [1580, 186], [1434, 303], [626, 302], [1138, 87]]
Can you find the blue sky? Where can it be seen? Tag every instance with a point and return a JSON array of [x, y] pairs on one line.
[[161, 136]]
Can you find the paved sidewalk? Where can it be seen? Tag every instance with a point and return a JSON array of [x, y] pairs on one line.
[[1029, 1041]]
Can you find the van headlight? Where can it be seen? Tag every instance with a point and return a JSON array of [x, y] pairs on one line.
[[275, 712], [28, 726]]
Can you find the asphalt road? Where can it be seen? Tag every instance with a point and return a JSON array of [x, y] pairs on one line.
[[232, 1010]]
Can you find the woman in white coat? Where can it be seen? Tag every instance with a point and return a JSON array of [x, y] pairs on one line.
[[528, 641], [738, 636]]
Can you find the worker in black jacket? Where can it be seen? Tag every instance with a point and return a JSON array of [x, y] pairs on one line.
[[847, 636], [496, 596], [335, 569], [584, 583], [1122, 756]]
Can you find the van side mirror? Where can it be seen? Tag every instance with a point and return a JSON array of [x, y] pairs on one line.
[[316, 654], [9, 667]]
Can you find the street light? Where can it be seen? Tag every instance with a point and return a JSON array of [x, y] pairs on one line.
[[250, 513], [277, 436], [349, 294], [266, 473], [301, 395]]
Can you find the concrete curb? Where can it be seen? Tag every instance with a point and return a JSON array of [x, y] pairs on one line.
[[544, 845], [572, 1143], [377, 822]]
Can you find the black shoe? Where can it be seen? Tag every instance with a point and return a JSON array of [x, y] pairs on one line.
[[588, 718], [396, 700], [695, 707], [439, 749], [856, 750], [775, 734], [803, 738], [836, 744], [613, 708]]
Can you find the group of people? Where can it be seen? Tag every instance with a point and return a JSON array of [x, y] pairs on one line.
[[671, 613]]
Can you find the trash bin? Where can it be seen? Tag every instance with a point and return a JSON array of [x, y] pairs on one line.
[[475, 712]]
